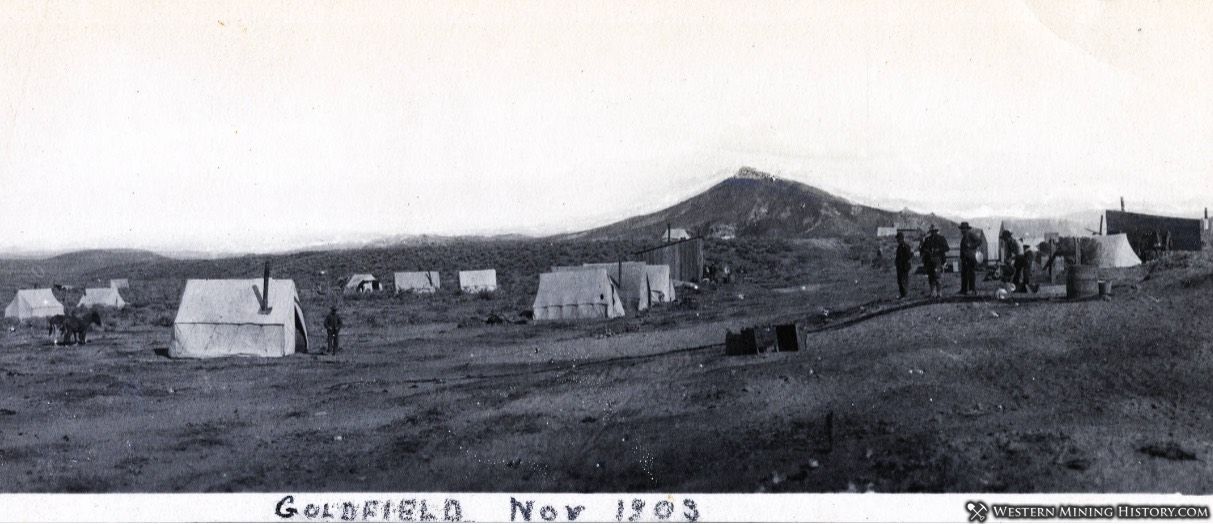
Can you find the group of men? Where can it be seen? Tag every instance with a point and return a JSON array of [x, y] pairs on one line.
[[934, 251]]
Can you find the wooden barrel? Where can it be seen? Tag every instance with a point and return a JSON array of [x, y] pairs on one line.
[[1082, 281]]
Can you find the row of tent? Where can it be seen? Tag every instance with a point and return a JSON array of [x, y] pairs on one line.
[[219, 318], [425, 281], [41, 303], [226, 317]]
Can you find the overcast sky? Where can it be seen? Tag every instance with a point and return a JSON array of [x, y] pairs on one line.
[[259, 125]]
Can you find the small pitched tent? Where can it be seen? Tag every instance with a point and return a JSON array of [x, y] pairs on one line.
[[418, 281], [661, 288], [1115, 251], [675, 234], [478, 280], [101, 296], [362, 283], [581, 294], [33, 303], [989, 246], [120, 283], [220, 318], [882, 232], [1105, 251]]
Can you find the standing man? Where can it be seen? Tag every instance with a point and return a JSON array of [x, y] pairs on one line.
[[969, 244], [1009, 251], [1023, 270], [902, 261], [332, 325], [934, 250]]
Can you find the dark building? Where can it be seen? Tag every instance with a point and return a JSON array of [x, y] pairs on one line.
[[685, 258], [1154, 232]]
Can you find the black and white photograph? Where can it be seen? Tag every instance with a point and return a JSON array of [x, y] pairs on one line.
[[637, 247]]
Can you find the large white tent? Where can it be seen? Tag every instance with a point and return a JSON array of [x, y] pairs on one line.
[[417, 281], [478, 280], [33, 303], [101, 296], [219, 318], [631, 279], [586, 293]]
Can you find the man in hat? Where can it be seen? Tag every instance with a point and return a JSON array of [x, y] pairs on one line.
[[934, 250], [1010, 252], [332, 325], [902, 260], [969, 244], [1023, 270]]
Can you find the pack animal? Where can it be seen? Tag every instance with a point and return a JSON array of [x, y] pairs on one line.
[[76, 328], [54, 328]]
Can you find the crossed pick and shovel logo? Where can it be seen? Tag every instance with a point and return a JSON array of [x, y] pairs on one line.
[[977, 511]]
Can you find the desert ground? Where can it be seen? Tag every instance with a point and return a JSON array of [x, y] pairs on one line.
[[1028, 394]]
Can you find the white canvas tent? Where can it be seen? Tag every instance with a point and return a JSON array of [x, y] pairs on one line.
[[101, 296], [631, 279], [417, 281], [882, 232], [120, 283], [581, 294], [362, 283], [988, 252], [33, 303], [661, 288], [478, 280], [219, 318], [1115, 251], [675, 234]]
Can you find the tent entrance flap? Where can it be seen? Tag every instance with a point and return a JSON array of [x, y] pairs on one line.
[[301, 342]]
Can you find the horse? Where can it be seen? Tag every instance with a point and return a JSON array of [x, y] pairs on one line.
[[77, 327], [54, 328]]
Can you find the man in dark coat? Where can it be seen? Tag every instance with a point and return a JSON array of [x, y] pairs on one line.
[[1023, 270], [332, 325], [903, 260], [1010, 252], [934, 250], [969, 244]]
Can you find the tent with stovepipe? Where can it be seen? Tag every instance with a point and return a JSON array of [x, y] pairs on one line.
[[220, 318]]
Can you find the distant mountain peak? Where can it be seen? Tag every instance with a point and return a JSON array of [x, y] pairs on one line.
[[754, 203], [749, 173]]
